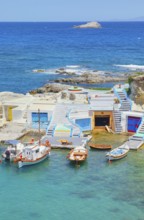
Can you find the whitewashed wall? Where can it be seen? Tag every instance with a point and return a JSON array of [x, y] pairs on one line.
[[17, 114]]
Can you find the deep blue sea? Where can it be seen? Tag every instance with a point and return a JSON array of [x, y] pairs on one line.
[[28, 46]]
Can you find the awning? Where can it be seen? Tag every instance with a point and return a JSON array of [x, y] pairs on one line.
[[12, 142]]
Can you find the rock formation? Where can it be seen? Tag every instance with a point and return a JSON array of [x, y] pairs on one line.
[[93, 24], [53, 87], [137, 89], [91, 79]]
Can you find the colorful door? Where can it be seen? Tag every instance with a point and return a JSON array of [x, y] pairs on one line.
[[133, 123], [9, 113], [43, 117]]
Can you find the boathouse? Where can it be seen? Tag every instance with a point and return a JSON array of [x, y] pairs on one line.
[[101, 111], [102, 118]]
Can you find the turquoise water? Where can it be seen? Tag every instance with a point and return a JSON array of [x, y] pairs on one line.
[[58, 190]]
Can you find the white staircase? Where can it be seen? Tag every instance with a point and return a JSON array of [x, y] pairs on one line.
[[141, 128], [125, 103], [137, 139], [50, 130], [60, 116], [117, 120]]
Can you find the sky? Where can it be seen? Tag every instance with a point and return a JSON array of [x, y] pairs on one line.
[[70, 10]]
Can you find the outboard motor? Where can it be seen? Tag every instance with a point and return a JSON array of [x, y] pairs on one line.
[[7, 153]]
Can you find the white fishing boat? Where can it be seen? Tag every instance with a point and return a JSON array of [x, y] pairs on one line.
[[118, 153], [78, 154], [34, 154], [13, 150]]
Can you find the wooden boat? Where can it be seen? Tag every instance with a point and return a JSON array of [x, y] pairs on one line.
[[13, 150], [78, 154], [75, 89], [118, 153], [34, 154], [99, 146]]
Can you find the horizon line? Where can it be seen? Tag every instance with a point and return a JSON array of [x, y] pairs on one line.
[[71, 21]]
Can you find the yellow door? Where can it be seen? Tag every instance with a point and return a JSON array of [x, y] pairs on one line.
[[9, 113]]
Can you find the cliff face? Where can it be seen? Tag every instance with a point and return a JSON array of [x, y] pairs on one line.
[[137, 89]]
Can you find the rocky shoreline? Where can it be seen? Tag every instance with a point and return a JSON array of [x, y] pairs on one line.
[[90, 79], [75, 76], [90, 76]]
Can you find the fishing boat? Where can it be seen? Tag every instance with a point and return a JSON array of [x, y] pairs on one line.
[[34, 154], [78, 154], [13, 150], [99, 146], [118, 153]]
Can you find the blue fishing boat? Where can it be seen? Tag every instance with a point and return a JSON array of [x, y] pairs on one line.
[[118, 153]]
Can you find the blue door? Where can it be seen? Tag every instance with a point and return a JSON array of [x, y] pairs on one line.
[[133, 123], [43, 117]]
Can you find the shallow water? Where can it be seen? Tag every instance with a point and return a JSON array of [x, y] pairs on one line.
[[59, 190]]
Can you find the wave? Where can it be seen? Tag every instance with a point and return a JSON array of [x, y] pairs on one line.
[[68, 70], [45, 71], [72, 66], [71, 69], [132, 67]]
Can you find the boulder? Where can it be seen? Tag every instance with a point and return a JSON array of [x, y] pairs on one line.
[[72, 96], [63, 95]]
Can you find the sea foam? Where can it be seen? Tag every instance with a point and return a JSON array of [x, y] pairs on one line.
[[132, 67]]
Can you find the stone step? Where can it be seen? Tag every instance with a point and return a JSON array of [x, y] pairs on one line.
[[136, 138]]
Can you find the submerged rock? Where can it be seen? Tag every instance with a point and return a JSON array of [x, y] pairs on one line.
[[64, 71]]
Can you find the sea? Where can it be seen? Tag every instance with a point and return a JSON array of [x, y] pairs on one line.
[[56, 189], [24, 47]]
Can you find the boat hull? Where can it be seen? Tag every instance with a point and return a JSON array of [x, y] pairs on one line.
[[99, 146], [118, 153], [29, 163], [77, 156], [110, 157], [77, 160]]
